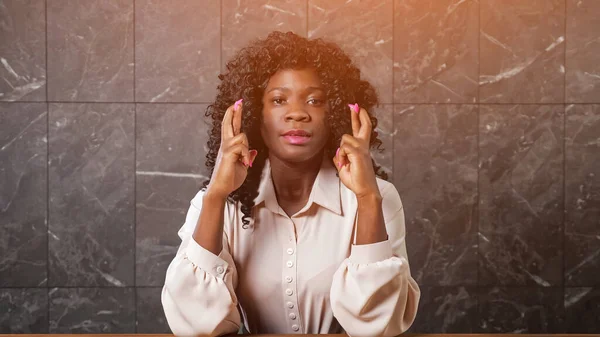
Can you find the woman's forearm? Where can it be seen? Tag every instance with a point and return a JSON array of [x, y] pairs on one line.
[[371, 226], [209, 228]]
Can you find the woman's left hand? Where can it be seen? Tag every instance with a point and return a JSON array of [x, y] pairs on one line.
[[353, 159]]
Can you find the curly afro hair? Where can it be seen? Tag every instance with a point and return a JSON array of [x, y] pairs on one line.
[[247, 75]]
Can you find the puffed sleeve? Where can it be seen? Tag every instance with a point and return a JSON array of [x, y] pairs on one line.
[[199, 297], [373, 292]]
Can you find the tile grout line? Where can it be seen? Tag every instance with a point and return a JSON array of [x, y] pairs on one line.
[[221, 37], [476, 328], [199, 103], [430, 285], [106, 102], [393, 148], [47, 176], [84, 287], [564, 206], [135, 299]]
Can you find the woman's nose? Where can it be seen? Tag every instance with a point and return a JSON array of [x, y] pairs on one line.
[[298, 114]]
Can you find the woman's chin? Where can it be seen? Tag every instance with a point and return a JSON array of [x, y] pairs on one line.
[[299, 154]]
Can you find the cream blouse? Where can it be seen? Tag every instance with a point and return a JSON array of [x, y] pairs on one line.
[[298, 274]]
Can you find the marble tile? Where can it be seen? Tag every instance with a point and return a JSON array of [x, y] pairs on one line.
[[90, 50], [171, 150], [23, 50], [530, 310], [91, 210], [150, 314], [522, 46], [171, 138], [583, 47], [23, 310], [435, 172], [363, 29], [385, 130], [582, 195], [161, 205], [244, 21], [92, 310], [177, 50], [521, 195], [23, 194], [436, 51], [446, 310], [582, 309]]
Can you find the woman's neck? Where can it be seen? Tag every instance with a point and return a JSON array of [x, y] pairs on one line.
[[293, 181]]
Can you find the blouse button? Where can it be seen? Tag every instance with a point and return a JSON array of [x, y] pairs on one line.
[[220, 270], [288, 279], [290, 305], [290, 251], [292, 316], [295, 327], [289, 292], [290, 264]]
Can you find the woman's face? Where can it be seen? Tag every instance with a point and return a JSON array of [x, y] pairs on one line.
[[294, 112]]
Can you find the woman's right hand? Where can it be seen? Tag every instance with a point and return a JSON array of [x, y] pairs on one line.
[[234, 157]]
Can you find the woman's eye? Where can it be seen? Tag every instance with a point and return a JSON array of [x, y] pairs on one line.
[[315, 101], [278, 101]]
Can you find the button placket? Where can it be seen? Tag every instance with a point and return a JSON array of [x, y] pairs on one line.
[[289, 280]]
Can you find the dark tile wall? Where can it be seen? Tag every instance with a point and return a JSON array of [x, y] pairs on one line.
[[490, 118]]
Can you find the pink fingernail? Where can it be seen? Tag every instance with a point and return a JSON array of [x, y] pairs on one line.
[[354, 107], [238, 103], [337, 152], [339, 164]]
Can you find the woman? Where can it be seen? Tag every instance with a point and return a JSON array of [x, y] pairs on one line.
[[293, 232]]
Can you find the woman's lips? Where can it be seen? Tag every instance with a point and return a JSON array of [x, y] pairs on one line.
[[296, 140]]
